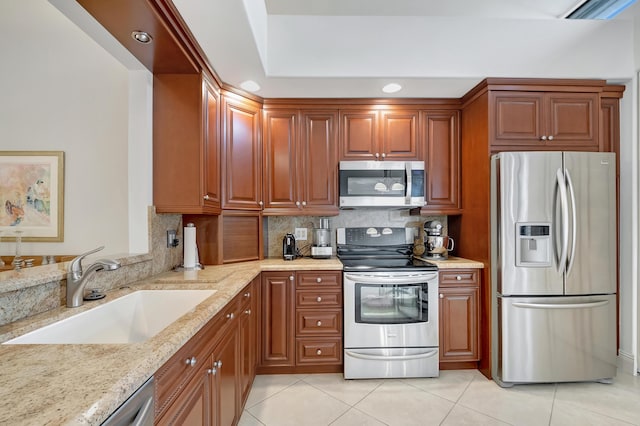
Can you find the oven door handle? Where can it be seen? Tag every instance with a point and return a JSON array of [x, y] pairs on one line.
[[392, 357], [390, 279]]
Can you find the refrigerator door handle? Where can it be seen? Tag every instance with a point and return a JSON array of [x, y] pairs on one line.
[[561, 305], [564, 212], [574, 222]]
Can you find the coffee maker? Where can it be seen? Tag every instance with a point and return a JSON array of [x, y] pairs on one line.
[[321, 248], [436, 245], [289, 247]]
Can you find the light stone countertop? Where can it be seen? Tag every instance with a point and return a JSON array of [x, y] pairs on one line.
[[83, 384], [454, 262]]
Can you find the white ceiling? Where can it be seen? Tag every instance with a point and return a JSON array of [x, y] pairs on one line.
[[433, 48]]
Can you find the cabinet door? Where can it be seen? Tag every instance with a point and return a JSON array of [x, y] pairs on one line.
[[248, 341], [359, 135], [277, 346], [399, 131], [318, 162], [280, 166], [226, 379], [242, 169], [211, 167], [192, 407], [442, 161], [181, 132], [572, 119], [518, 118], [459, 315]]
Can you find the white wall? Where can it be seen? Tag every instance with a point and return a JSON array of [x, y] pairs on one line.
[[60, 91]]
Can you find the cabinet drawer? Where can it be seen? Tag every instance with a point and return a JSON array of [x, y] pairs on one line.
[[319, 279], [312, 298], [319, 351], [459, 276], [319, 322]]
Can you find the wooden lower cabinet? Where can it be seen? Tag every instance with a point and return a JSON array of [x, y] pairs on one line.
[[301, 322], [206, 381], [459, 318]]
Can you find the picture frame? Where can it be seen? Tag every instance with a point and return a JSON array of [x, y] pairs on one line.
[[32, 195]]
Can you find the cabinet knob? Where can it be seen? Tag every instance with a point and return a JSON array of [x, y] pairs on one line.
[[319, 352], [298, 203], [248, 312], [230, 316], [319, 279], [441, 296], [384, 155], [319, 323], [218, 364], [290, 277], [304, 203], [212, 371], [319, 299], [260, 203], [377, 155], [191, 362], [458, 277], [551, 137], [543, 138], [247, 295], [206, 197]]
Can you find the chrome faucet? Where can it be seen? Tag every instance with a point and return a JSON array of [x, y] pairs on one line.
[[77, 278]]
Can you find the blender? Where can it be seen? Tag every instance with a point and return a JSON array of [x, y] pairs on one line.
[[321, 248]]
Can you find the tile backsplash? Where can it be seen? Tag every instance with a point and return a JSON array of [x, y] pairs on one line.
[[277, 226]]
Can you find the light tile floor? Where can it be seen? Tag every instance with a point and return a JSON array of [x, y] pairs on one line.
[[462, 397]]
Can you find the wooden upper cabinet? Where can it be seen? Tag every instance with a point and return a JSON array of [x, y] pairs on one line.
[[300, 162], [545, 119], [186, 152], [399, 131], [442, 161], [379, 135], [242, 156]]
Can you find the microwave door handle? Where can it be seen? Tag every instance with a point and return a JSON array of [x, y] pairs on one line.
[[408, 188]]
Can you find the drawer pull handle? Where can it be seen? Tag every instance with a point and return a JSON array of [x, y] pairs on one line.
[[458, 277], [319, 323], [319, 299], [248, 312], [318, 280], [319, 352], [191, 362], [230, 316]]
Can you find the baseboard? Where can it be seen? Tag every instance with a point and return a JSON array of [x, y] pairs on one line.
[[625, 363]]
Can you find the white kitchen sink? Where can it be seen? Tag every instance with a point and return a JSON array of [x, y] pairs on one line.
[[133, 318]]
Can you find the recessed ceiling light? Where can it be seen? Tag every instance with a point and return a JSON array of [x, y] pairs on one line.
[[250, 86], [392, 88], [141, 37]]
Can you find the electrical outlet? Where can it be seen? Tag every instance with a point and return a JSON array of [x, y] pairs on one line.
[[300, 234], [172, 241]]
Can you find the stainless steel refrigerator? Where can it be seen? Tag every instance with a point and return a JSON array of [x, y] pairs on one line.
[[553, 263]]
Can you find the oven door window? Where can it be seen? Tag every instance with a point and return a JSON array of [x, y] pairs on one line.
[[391, 303]]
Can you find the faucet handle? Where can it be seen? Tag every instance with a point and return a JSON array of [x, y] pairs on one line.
[[75, 266]]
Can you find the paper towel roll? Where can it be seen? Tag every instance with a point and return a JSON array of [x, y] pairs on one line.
[[190, 250]]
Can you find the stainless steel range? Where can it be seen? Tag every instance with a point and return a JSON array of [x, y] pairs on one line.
[[390, 305]]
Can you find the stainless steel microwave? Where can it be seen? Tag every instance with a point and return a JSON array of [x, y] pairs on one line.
[[382, 184]]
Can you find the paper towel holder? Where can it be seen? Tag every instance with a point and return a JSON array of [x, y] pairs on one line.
[[197, 265]]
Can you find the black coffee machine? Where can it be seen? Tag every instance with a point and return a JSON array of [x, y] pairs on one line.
[[289, 247]]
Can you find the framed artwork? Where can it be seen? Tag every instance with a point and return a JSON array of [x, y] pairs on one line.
[[32, 195]]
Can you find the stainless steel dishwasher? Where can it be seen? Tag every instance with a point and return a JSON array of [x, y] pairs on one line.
[[137, 410]]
